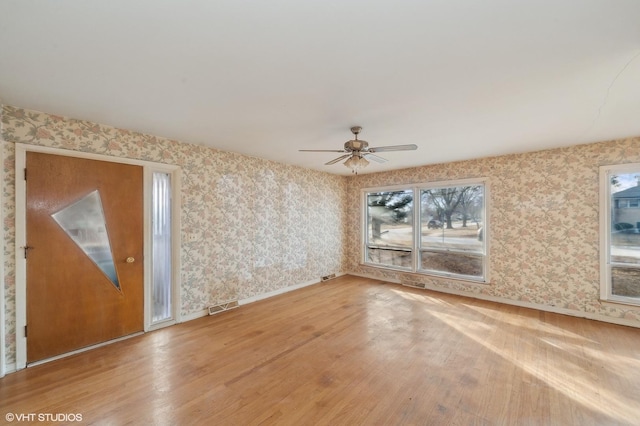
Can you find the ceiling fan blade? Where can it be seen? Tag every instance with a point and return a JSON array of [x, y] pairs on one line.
[[337, 159], [410, 147], [375, 157], [321, 150]]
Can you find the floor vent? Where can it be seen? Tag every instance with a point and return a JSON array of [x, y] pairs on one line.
[[215, 309], [327, 277]]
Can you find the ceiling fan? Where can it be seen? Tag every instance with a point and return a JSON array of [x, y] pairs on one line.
[[356, 150]]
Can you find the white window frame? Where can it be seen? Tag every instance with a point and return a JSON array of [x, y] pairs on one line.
[[364, 226], [416, 247], [606, 265]]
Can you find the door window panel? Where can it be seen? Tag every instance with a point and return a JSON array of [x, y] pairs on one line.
[[161, 271], [84, 223]]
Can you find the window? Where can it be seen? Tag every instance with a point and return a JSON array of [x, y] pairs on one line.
[[620, 233], [450, 239], [390, 228], [161, 309], [626, 203]]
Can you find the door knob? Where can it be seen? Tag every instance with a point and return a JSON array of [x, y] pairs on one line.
[[130, 259]]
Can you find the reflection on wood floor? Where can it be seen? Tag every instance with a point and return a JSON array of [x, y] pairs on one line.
[[346, 352]]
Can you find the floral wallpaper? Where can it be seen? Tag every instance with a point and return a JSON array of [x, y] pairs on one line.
[[544, 225], [249, 226]]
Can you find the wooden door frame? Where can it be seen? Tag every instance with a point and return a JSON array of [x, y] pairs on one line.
[[20, 241]]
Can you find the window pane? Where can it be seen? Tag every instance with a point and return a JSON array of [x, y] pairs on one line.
[[625, 282], [625, 219], [453, 263], [453, 218], [390, 219], [390, 257], [389, 239], [161, 273]]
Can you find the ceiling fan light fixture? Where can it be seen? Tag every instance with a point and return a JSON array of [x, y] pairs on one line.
[[351, 162], [356, 162]]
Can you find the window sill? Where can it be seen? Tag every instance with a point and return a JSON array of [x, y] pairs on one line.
[[388, 267], [453, 278], [614, 302], [428, 275]]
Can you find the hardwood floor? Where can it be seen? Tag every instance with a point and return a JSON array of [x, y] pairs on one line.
[[350, 351]]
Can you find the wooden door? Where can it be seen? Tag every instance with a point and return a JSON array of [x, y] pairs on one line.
[[84, 280]]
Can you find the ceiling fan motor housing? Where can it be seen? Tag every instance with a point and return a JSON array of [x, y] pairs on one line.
[[355, 145]]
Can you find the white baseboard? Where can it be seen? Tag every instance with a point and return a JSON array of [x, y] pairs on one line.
[[283, 290], [10, 368], [386, 280], [194, 315], [530, 305]]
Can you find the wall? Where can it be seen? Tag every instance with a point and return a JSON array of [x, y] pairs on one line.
[[544, 236], [249, 226], [261, 226]]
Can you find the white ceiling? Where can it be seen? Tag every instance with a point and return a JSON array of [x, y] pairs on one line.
[[460, 79]]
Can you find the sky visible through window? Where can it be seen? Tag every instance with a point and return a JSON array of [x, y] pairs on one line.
[[626, 181]]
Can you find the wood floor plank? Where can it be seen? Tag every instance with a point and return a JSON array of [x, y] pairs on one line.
[[350, 351]]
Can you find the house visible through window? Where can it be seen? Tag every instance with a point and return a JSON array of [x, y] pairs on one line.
[[620, 195], [626, 203], [444, 235]]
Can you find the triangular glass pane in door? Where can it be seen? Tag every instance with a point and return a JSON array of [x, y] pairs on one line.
[[84, 222]]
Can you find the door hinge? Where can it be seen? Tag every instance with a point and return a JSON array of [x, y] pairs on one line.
[[26, 249], [25, 331], [25, 173]]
